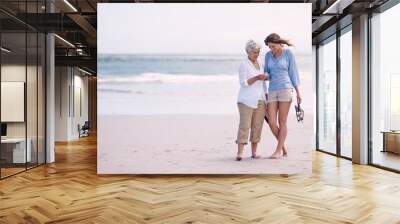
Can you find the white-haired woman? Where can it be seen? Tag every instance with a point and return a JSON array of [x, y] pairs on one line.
[[251, 100]]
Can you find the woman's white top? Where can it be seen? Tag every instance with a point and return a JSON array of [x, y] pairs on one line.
[[251, 94]]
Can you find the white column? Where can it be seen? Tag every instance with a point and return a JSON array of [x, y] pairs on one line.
[[50, 91], [360, 90], [50, 100]]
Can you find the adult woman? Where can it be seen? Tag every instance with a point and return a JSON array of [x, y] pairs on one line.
[[251, 100], [281, 66]]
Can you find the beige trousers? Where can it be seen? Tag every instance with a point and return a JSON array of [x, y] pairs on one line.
[[250, 119]]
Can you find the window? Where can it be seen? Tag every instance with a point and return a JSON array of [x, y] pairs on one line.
[[385, 89], [346, 93], [327, 96]]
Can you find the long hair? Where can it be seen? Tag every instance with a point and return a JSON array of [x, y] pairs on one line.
[[276, 39]]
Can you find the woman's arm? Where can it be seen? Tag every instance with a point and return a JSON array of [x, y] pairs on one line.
[[293, 71], [266, 70], [294, 75], [243, 77], [258, 77], [298, 95], [252, 80]]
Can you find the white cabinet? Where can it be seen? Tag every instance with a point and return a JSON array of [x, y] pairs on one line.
[[19, 155]]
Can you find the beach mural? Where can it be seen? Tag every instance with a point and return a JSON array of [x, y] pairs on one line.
[[168, 88]]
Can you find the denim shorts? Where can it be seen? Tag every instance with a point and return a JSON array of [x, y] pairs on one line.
[[281, 95]]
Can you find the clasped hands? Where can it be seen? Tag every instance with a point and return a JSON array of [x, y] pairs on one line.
[[262, 76]]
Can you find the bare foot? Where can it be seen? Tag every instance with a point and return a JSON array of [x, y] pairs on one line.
[[284, 149], [255, 156], [276, 155], [239, 156]]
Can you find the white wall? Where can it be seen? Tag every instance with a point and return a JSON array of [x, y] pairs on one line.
[[34, 125], [62, 81], [12, 73], [79, 117], [70, 83]]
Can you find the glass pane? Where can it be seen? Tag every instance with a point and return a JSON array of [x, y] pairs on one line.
[[327, 97], [31, 101], [13, 86], [31, 86], [346, 93], [41, 98], [386, 89]]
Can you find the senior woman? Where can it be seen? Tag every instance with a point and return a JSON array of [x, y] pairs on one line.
[[281, 66], [251, 100]]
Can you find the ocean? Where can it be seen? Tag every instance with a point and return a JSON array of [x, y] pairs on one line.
[[174, 84]]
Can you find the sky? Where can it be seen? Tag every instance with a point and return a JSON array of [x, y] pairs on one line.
[[199, 28]]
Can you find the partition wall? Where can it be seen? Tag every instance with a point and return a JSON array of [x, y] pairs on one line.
[[22, 77]]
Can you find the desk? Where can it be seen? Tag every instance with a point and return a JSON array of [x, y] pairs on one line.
[[391, 141], [15, 148]]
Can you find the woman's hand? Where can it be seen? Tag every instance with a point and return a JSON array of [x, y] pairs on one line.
[[254, 79], [298, 95], [299, 98], [262, 77]]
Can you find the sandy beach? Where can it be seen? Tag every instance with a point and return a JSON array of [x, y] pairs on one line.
[[177, 114], [194, 144]]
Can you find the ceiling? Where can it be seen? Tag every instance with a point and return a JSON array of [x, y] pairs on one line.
[[76, 21]]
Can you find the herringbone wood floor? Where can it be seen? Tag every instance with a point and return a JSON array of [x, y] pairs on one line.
[[70, 191]]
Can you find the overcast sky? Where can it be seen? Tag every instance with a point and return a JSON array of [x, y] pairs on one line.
[[199, 28]]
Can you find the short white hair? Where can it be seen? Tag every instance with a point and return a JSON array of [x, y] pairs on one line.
[[251, 45]]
